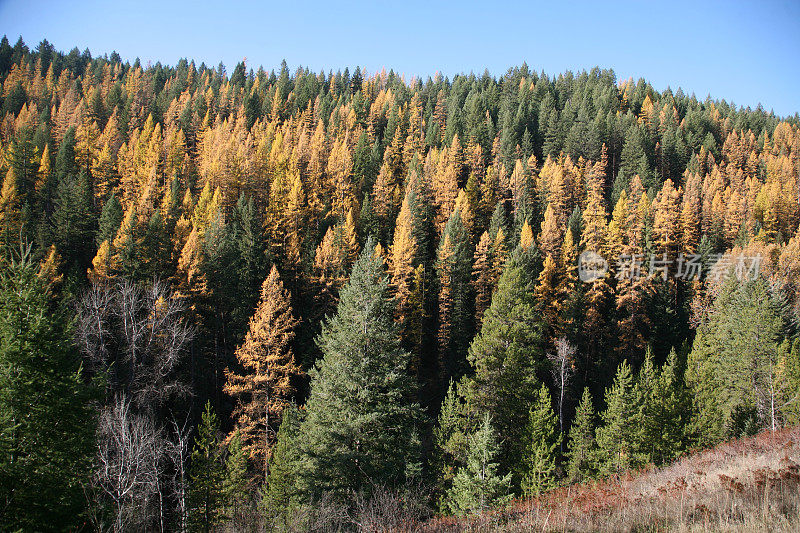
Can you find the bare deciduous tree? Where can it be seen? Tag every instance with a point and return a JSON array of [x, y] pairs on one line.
[[563, 368], [129, 450], [138, 333], [178, 452]]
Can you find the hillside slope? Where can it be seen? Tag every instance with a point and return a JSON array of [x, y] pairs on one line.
[[751, 484]]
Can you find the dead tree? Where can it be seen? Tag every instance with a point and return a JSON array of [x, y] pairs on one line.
[[563, 368]]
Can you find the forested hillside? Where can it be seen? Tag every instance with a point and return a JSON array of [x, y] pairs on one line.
[[292, 300]]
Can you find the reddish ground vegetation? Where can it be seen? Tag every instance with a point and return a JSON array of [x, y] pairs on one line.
[[750, 484]]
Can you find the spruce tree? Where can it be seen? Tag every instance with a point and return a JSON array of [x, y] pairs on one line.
[[46, 420], [478, 485], [110, 220], [506, 355], [457, 421], [361, 420], [734, 365], [207, 473], [542, 440], [581, 449], [236, 483], [617, 439], [280, 491], [453, 268]]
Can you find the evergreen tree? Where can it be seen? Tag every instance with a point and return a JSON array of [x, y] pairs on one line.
[[617, 442], [361, 421], [110, 219], [457, 421], [542, 440], [207, 473], [666, 414], [477, 486], [280, 491], [734, 366], [236, 483], [580, 464], [72, 223], [453, 266], [46, 420], [506, 355]]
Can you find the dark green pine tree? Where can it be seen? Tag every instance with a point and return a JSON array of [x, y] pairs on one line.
[[110, 220], [454, 270], [250, 259], [506, 354], [668, 414], [65, 158], [207, 473], [617, 439], [581, 448], [236, 484], [72, 224], [633, 160], [23, 161], [361, 423], [735, 368], [280, 493], [542, 440], [457, 421], [478, 486], [156, 248], [365, 166], [46, 418]]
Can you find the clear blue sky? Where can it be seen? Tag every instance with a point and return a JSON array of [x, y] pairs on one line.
[[744, 52]]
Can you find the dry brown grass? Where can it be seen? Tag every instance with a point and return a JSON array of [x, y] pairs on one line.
[[751, 484]]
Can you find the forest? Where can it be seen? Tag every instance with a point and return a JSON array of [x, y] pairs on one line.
[[295, 301]]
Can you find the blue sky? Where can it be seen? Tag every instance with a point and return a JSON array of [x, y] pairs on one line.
[[744, 52]]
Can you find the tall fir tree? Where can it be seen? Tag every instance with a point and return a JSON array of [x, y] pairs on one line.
[[478, 485], [506, 355], [453, 266], [207, 473], [361, 419], [46, 419], [581, 449], [542, 440]]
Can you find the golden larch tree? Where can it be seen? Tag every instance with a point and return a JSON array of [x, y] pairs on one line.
[[268, 382]]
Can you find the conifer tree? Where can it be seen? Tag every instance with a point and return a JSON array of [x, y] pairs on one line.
[[10, 213], [666, 413], [550, 237], [581, 449], [269, 381], [280, 492], [542, 440], [404, 256], [478, 485], [46, 420], [457, 421], [482, 277], [110, 219], [207, 474], [236, 483], [549, 299], [666, 218], [453, 265], [361, 419], [733, 367], [617, 443], [506, 354]]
